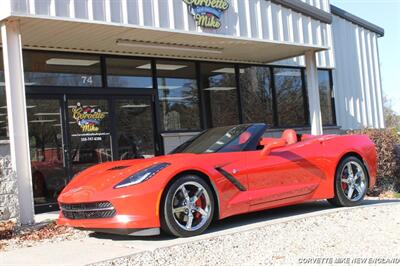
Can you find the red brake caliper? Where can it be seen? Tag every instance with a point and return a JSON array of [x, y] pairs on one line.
[[198, 204], [344, 185]]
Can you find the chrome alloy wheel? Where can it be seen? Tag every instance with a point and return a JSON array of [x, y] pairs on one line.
[[191, 206], [354, 181]]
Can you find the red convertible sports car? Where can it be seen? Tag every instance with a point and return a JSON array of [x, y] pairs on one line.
[[219, 173]]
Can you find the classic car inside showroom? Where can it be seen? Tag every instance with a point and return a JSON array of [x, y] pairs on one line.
[[84, 82]]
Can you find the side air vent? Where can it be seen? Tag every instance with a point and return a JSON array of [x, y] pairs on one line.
[[231, 179]]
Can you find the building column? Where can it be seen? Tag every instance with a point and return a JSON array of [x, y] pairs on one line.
[[313, 93], [17, 118]]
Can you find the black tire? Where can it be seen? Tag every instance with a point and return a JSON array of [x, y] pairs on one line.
[[342, 189], [170, 221]]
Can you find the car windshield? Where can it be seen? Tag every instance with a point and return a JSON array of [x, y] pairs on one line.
[[223, 139]]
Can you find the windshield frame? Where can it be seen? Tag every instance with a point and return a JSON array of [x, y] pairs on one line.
[[251, 144]]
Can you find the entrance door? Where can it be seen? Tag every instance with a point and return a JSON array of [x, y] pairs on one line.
[[68, 137], [89, 132], [47, 142]]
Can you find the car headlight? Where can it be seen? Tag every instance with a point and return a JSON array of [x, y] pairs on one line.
[[142, 175]]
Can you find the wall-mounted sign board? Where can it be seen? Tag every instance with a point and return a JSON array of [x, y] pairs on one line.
[[207, 13]]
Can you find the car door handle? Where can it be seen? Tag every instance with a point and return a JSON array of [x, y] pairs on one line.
[[235, 171]]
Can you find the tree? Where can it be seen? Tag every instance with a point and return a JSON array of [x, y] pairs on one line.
[[392, 119]]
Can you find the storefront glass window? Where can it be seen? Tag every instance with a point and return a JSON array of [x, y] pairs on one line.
[[256, 93], [61, 69], [3, 103], [325, 95], [135, 135], [220, 94], [129, 73], [289, 97], [178, 95]]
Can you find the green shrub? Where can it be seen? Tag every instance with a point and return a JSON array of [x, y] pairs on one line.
[[387, 146]]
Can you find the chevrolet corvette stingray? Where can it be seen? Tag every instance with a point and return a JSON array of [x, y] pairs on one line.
[[221, 172]]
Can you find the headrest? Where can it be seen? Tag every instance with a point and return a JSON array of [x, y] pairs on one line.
[[244, 137], [290, 136]]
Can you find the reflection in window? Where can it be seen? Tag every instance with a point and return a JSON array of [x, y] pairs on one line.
[[289, 97], [135, 128], [325, 95], [178, 95], [129, 73], [46, 149], [220, 94], [256, 93], [61, 69]]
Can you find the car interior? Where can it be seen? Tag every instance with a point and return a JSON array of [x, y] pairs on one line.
[[290, 136]]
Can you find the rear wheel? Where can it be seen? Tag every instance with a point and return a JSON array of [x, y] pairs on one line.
[[351, 183], [188, 207]]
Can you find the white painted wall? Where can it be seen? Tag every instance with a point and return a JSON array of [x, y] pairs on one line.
[[357, 80], [253, 19]]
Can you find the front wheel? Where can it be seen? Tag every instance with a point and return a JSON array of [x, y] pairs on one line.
[[188, 207], [351, 183]]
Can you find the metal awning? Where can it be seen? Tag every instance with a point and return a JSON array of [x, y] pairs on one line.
[[91, 37]]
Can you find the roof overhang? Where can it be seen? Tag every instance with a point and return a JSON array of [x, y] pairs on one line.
[[44, 33]]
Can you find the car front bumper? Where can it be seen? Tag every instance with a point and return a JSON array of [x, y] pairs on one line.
[[130, 213]]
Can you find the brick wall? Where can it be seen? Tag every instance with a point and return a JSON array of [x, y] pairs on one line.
[[8, 191]]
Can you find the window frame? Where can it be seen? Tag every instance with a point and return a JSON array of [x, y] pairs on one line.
[[105, 89], [207, 116], [304, 94]]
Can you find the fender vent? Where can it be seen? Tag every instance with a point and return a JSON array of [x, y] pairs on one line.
[[231, 179]]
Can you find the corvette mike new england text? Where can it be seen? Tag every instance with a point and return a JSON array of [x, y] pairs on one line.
[[348, 260]]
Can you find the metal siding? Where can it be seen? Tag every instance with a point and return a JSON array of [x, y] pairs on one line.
[[63, 8], [320, 4], [254, 19], [357, 81], [98, 10], [378, 81], [115, 11]]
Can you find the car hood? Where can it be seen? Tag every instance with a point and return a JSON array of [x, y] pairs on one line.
[[106, 175]]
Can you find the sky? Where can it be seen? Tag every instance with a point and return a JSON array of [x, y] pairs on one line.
[[386, 14]]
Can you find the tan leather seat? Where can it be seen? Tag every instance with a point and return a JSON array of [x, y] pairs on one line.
[[290, 136]]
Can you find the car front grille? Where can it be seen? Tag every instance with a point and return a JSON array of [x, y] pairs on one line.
[[91, 210]]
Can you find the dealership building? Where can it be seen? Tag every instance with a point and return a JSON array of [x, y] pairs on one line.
[[89, 81]]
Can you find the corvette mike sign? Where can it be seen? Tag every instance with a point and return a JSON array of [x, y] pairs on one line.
[[88, 118], [207, 13]]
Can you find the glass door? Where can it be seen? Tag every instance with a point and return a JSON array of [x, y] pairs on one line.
[[69, 136], [89, 131], [46, 142]]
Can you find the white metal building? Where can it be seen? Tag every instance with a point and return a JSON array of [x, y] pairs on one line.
[[173, 67]]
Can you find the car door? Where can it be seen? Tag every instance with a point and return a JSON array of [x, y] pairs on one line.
[[287, 173]]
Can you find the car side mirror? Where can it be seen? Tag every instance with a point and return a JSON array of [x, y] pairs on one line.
[[270, 145]]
